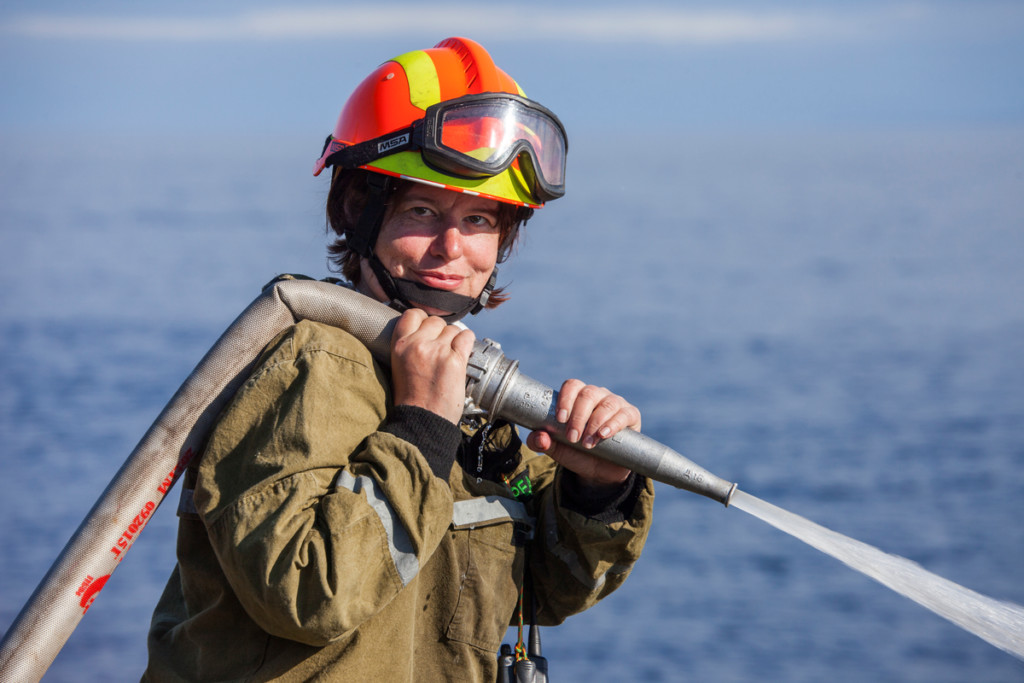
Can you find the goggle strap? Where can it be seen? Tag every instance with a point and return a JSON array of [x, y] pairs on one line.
[[366, 152], [326, 143]]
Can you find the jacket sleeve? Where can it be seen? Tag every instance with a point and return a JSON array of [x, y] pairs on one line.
[[578, 558], [318, 506]]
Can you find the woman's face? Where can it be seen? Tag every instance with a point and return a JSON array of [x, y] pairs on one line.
[[441, 238]]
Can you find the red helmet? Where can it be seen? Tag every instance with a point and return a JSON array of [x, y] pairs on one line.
[[448, 116]]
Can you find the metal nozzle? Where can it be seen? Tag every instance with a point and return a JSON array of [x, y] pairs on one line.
[[495, 384]]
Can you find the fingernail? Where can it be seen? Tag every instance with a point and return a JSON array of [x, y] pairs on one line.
[[573, 436], [605, 431], [562, 415], [589, 442]]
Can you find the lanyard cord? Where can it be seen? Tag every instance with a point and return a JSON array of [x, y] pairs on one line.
[[520, 650], [521, 667], [520, 645]]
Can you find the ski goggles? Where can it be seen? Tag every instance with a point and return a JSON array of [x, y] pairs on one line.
[[478, 136]]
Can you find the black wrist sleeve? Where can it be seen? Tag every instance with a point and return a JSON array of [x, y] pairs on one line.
[[436, 438], [607, 505]]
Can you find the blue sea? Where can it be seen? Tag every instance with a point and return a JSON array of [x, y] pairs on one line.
[[833, 320]]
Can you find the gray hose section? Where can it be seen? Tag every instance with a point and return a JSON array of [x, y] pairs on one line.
[[111, 527]]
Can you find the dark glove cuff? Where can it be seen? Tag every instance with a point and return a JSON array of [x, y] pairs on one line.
[[436, 438], [605, 504]]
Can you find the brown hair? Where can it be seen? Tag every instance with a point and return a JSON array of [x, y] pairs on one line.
[[348, 196]]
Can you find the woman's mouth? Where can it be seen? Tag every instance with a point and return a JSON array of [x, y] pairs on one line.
[[438, 280]]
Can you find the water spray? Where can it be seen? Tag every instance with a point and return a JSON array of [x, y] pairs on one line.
[[493, 384]]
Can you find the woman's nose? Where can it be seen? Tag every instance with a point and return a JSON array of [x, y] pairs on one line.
[[448, 243]]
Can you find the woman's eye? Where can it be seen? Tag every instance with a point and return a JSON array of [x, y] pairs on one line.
[[421, 211], [479, 221]]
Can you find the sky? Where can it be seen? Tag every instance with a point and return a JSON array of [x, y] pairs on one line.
[[267, 67]]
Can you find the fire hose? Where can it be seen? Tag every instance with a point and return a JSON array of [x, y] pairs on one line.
[[494, 384]]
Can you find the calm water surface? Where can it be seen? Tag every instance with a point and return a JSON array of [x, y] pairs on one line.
[[832, 321]]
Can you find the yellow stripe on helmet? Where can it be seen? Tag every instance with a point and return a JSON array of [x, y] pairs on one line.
[[424, 85]]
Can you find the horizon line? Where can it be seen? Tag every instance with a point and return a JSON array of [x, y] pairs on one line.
[[637, 24]]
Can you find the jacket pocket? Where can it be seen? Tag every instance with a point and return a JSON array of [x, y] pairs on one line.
[[489, 585]]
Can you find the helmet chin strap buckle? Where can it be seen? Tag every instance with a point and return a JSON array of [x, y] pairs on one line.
[[398, 305], [485, 295]]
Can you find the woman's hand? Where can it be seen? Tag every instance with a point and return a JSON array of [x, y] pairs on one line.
[[428, 363], [590, 415]]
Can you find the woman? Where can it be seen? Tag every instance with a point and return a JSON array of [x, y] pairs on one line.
[[351, 522]]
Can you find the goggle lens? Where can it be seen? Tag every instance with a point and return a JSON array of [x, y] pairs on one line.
[[495, 132]]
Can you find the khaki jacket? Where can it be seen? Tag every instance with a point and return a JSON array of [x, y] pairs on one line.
[[324, 547]]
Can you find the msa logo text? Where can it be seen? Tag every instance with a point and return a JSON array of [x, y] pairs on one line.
[[396, 141]]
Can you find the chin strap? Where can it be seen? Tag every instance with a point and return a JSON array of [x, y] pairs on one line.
[[404, 294], [362, 239]]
